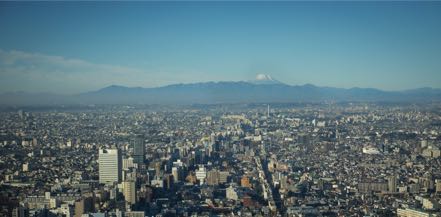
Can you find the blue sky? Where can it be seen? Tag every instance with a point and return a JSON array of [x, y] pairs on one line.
[[68, 47]]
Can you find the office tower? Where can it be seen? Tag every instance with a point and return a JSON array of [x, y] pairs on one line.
[[128, 163], [213, 177], [138, 150], [245, 182], [223, 176], [84, 205], [158, 166], [209, 149], [25, 167], [436, 153], [168, 181], [129, 191], [265, 192], [201, 174], [175, 173], [145, 194], [408, 212], [438, 185], [231, 193], [424, 143], [414, 188], [283, 181], [20, 212], [47, 195], [110, 166], [212, 138], [372, 187], [392, 183], [199, 157], [178, 163]]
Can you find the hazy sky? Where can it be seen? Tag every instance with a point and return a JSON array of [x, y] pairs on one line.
[[75, 47]]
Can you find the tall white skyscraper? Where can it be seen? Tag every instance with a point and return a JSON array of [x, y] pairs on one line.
[[268, 112], [110, 166]]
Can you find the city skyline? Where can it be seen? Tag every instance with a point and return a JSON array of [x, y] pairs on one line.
[[389, 46], [211, 108]]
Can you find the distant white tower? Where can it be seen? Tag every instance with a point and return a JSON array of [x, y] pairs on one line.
[[268, 112], [110, 166]]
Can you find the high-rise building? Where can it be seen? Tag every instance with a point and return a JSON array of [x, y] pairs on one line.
[[223, 176], [372, 186], [412, 213], [175, 173], [213, 177], [25, 167], [178, 163], [20, 212], [392, 183], [201, 174], [231, 193], [216, 177], [158, 166], [424, 143], [129, 191], [110, 166], [84, 205], [414, 188], [438, 185], [138, 150], [268, 112], [127, 163], [430, 204], [168, 180], [245, 182]]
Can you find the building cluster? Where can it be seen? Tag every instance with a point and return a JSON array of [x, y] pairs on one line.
[[326, 159]]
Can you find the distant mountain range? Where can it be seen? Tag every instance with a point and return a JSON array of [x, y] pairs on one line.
[[265, 90]]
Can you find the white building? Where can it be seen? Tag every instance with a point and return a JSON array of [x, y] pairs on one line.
[[25, 167], [157, 182], [175, 173], [231, 193], [110, 166], [370, 150], [201, 174], [128, 163]]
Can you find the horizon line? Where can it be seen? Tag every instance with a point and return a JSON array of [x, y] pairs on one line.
[[205, 82]]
